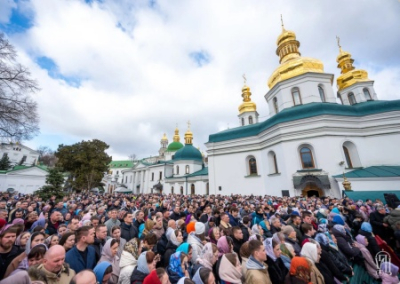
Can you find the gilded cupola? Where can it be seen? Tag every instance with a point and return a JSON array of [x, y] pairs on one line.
[[247, 105], [176, 137], [164, 138], [291, 62], [188, 136], [349, 75]]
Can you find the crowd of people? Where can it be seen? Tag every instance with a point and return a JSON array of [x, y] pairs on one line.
[[155, 238]]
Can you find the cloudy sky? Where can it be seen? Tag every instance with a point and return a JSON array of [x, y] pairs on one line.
[[127, 71]]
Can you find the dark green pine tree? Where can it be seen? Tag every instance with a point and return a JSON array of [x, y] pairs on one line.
[[5, 163], [54, 185]]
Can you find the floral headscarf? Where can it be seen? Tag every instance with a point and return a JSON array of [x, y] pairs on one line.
[[269, 249], [207, 256], [133, 247], [299, 268], [175, 264]]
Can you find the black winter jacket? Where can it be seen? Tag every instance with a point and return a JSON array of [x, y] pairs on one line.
[[137, 276], [128, 232], [277, 270], [169, 250]]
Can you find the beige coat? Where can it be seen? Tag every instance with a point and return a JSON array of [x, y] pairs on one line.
[[316, 276], [258, 276], [66, 275]]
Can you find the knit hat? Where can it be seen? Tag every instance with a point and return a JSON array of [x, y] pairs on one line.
[[200, 228], [365, 226], [296, 213], [190, 227], [287, 230]]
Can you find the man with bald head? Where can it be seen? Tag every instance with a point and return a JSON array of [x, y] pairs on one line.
[[171, 228], [56, 270], [84, 277]]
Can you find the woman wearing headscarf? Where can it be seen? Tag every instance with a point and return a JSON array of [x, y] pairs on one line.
[[177, 267], [187, 249], [196, 239], [368, 259], [366, 231], [103, 272], [208, 257], [276, 268], [311, 253], [299, 272], [40, 222], [291, 238], [224, 245], [266, 229], [176, 238], [214, 234], [389, 273], [145, 264], [52, 240], [110, 254], [230, 270], [128, 262], [204, 276], [287, 253], [346, 244], [22, 240]]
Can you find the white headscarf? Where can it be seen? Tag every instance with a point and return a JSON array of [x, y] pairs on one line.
[[310, 251]]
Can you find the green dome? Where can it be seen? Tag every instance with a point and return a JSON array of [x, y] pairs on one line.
[[174, 146], [188, 153]]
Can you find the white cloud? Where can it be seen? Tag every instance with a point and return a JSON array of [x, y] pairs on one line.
[[138, 79], [6, 10]]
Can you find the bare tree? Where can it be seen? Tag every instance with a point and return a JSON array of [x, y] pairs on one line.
[[18, 112], [47, 156], [132, 157]]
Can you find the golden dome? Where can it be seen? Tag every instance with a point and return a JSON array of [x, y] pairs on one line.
[[247, 104], [164, 138], [350, 75], [292, 64], [176, 137], [188, 135]]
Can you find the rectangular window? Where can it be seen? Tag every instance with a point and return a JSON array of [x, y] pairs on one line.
[[285, 193], [152, 176], [220, 188], [160, 175]]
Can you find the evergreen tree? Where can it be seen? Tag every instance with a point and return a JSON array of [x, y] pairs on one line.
[[5, 163], [54, 185]]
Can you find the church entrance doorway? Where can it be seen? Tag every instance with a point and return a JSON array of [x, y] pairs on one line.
[[312, 189]]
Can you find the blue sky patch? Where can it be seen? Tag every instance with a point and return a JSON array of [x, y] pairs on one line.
[[201, 57], [52, 69], [18, 22]]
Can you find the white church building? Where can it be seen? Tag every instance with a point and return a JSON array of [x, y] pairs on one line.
[[310, 140]]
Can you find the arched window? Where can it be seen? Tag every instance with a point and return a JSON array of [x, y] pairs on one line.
[[352, 99], [351, 155], [181, 189], [321, 94], [367, 95], [275, 101], [187, 169], [273, 163], [242, 121], [347, 156], [177, 170], [252, 166], [250, 120], [306, 156], [296, 96]]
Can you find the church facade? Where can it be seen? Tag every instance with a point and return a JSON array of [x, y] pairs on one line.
[[310, 142]]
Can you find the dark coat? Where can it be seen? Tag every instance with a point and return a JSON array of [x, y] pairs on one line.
[[175, 216], [325, 271], [299, 234], [329, 263], [76, 262], [340, 261], [345, 244], [98, 247], [137, 276], [372, 247], [169, 250], [137, 224], [233, 221], [277, 270], [295, 244], [51, 229], [237, 245], [128, 232], [15, 251], [376, 220]]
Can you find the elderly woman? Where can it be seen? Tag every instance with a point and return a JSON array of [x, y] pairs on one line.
[[299, 272], [313, 254]]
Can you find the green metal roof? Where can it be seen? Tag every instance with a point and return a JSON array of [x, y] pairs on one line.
[[189, 152], [373, 172], [121, 164], [174, 146], [202, 172], [363, 195], [306, 111], [21, 167]]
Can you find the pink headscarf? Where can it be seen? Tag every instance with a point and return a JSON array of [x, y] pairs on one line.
[[18, 221], [223, 246]]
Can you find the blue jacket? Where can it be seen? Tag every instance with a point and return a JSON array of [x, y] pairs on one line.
[[233, 221], [76, 262]]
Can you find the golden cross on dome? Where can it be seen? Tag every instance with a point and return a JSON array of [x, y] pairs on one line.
[[244, 78], [338, 42], [188, 123], [283, 27]]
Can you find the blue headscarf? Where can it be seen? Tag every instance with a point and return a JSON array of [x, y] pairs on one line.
[[39, 222], [142, 263], [263, 226], [335, 210], [322, 239], [365, 226], [184, 247], [100, 269], [337, 219], [175, 263], [141, 229]]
